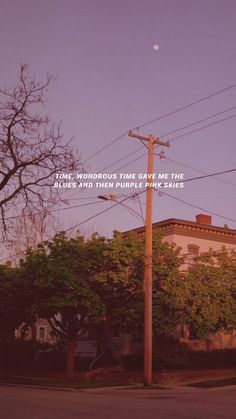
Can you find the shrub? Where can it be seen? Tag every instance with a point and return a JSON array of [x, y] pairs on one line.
[[19, 354], [51, 359], [218, 358], [132, 362]]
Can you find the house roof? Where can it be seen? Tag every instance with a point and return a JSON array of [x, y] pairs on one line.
[[192, 229]]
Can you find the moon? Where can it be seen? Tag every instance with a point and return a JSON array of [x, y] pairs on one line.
[[156, 47]]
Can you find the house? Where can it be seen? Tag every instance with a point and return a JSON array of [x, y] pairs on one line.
[[195, 238]]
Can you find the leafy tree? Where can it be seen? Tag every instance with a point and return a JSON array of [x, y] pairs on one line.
[[73, 282], [209, 293], [122, 277], [12, 311], [58, 279], [202, 298]]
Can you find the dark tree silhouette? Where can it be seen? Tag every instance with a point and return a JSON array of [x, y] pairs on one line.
[[32, 150]]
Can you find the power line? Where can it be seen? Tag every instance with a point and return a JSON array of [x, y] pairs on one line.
[[198, 171], [117, 161], [88, 219], [131, 196], [168, 133], [107, 209], [122, 158], [197, 122], [172, 139], [195, 206], [80, 198], [141, 192], [99, 201], [132, 161], [89, 197], [203, 127], [106, 146], [182, 164], [54, 210], [209, 175], [181, 108], [128, 197], [158, 118]]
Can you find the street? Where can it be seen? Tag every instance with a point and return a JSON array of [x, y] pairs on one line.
[[32, 403]]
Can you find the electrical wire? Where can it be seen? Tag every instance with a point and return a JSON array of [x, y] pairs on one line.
[[197, 122], [181, 108], [107, 209], [132, 161], [203, 127], [99, 201], [198, 171], [54, 210], [88, 219], [172, 139], [121, 159], [195, 206], [131, 196], [106, 146], [209, 175], [158, 118]]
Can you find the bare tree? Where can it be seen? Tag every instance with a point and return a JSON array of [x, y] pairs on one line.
[[28, 231], [32, 150]]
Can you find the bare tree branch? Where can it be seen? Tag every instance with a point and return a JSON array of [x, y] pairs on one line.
[[32, 149]]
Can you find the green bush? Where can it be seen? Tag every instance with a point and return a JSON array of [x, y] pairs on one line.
[[19, 354], [51, 359], [38, 356], [177, 360], [218, 358], [132, 362], [170, 354]]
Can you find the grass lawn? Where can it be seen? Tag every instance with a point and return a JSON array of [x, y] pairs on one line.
[[63, 383], [52, 382], [223, 382], [152, 387]]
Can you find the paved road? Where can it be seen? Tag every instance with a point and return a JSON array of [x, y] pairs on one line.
[[30, 403]]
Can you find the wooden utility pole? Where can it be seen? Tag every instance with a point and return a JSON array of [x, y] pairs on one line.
[[148, 259]]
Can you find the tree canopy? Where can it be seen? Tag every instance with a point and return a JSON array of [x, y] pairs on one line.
[[74, 282], [123, 276], [59, 279], [12, 308]]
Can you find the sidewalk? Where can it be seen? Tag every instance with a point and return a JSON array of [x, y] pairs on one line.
[[162, 377], [122, 381]]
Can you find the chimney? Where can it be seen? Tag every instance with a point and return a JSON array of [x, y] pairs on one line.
[[203, 219]]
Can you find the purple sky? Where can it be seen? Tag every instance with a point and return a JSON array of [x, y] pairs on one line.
[[109, 80]]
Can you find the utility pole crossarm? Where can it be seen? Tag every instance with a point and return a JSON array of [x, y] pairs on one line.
[[155, 140]]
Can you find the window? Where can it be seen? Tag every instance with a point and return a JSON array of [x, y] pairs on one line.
[[193, 252], [42, 333]]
